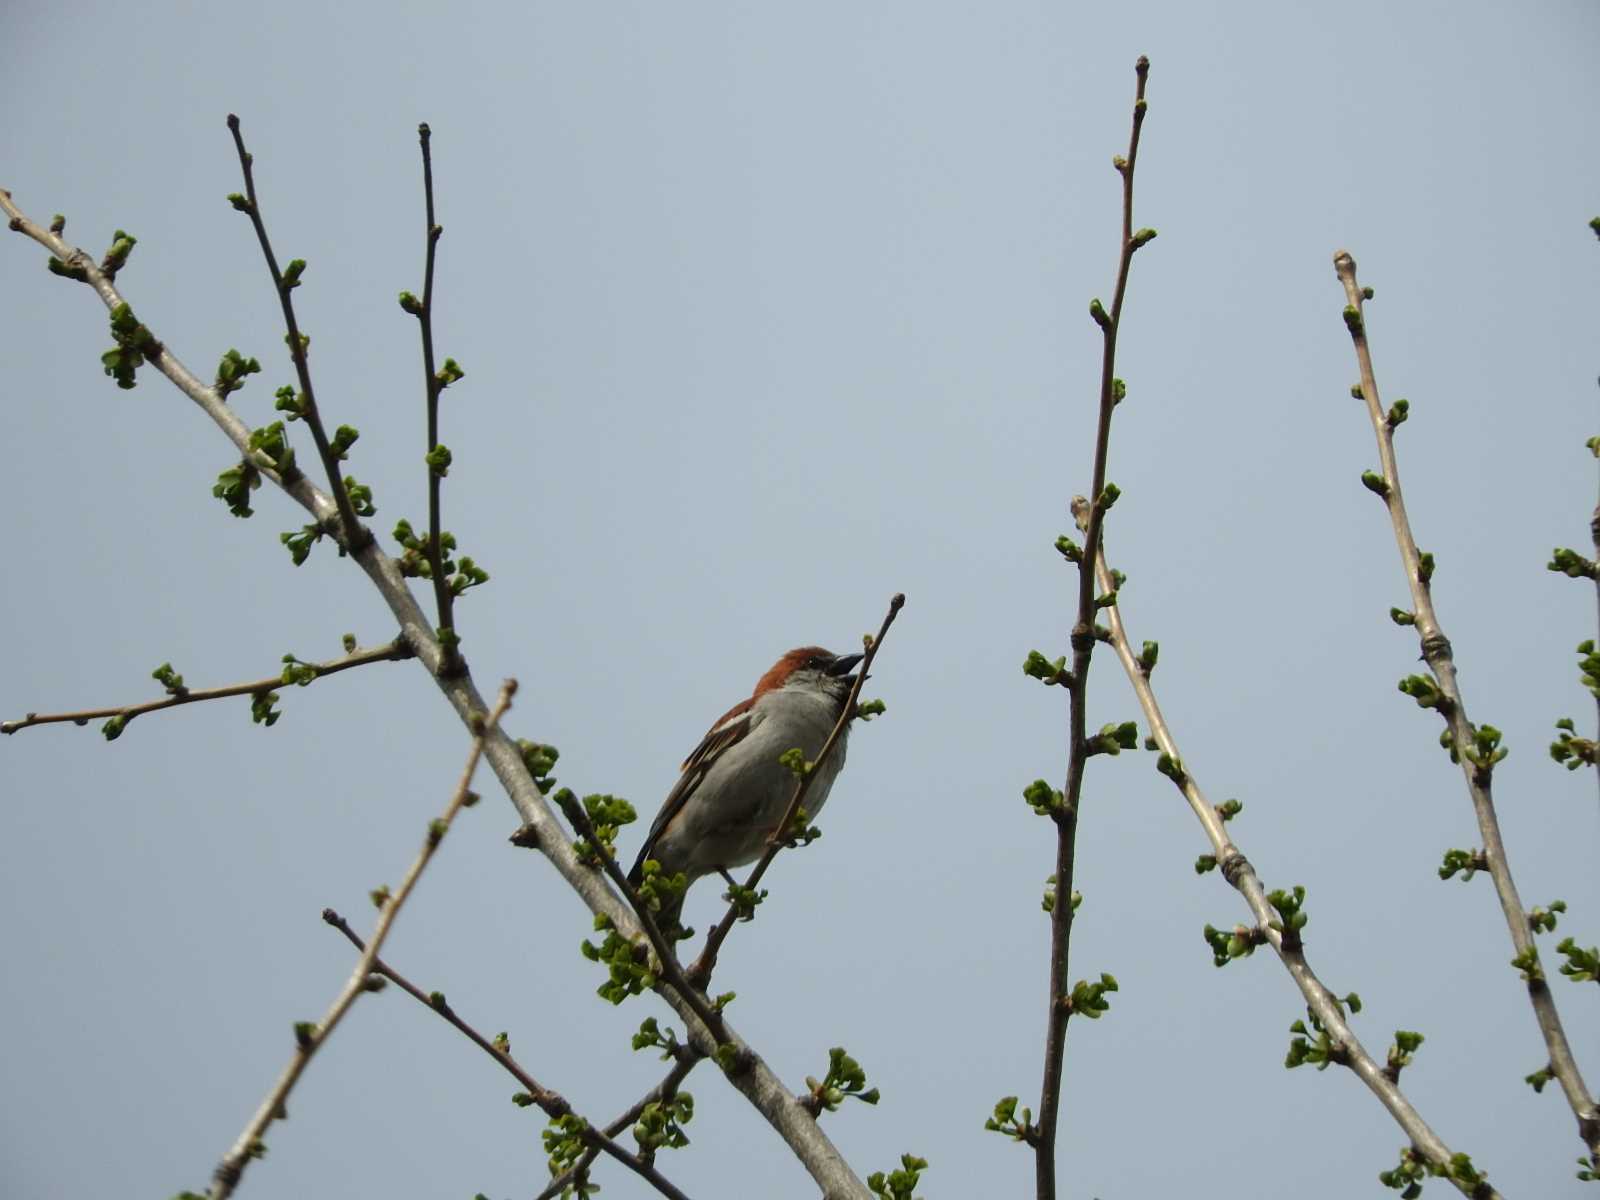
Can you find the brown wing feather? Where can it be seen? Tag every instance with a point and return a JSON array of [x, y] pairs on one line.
[[728, 731]]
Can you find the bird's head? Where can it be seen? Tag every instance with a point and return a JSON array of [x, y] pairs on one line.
[[811, 668]]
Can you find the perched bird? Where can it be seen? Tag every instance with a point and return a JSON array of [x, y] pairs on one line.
[[733, 790]]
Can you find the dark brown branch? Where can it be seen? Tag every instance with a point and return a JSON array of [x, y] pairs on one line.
[[393, 652], [552, 1103], [1083, 640], [444, 598], [355, 535], [700, 973]]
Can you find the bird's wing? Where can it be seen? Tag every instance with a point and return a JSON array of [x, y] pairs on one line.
[[734, 726]]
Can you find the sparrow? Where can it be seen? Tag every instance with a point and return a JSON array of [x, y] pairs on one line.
[[733, 791]]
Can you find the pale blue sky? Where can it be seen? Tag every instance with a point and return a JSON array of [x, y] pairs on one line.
[[769, 312]]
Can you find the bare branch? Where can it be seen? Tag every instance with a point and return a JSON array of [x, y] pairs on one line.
[[310, 1038], [1477, 756], [392, 652], [552, 1103]]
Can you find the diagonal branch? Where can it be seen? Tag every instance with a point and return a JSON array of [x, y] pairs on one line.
[[310, 1038], [700, 972], [303, 674], [552, 1103], [1477, 761], [1236, 869]]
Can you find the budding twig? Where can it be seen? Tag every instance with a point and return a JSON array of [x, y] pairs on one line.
[[392, 652], [1476, 769], [1078, 753], [356, 535], [444, 598]]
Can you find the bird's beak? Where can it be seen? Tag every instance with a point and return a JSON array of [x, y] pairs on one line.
[[843, 664]]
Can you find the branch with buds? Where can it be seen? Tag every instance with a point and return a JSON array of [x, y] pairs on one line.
[[1062, 806], [1475, 748], [294, 673]]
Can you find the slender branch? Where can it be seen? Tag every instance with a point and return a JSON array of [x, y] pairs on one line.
[[552, 1103], [756, 1081], [1083, 640], [1236, 869], [444, 598], [703, 966], [392, 652], [311, 1038], [355, 533], [1477, 765]]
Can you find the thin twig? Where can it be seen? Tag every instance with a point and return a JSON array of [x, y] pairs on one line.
[[1236, 869], [1594, 534], [355, 533], [311, 1038], [1083, 640], [703, 966], [444, 598], [1452, 708], [552, 1103], [392, 652], [756, 1081]]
